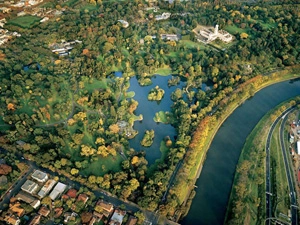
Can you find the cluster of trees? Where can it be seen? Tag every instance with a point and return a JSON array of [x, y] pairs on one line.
[[156, 94], [148, 138], [61, 116]]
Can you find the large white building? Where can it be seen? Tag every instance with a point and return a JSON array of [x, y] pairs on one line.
[[39, 176], [209, 34], [29, 186], [46, 188], [58, 190]]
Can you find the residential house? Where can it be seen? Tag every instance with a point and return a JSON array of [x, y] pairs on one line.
[[169, 37], [46, 188], [70, 216], [117, 217], [58, 190], [163, 16], [29, 186], [22, 196], [35, 220], [58, 212], [83, 198], [39, 176], [16, 209], [105, 207], [44, 211], [132, 220], [72, 193], [10, 218]]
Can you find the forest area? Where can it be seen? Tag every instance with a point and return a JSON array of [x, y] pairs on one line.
[[67, 111]]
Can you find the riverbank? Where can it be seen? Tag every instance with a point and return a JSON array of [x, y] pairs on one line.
[[238, 96], [249, 179]]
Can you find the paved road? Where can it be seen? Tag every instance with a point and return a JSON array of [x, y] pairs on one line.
[[151, 217], [268, 168], [289, 175]]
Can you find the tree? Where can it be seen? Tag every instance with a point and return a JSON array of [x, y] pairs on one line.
[[74, 171], [141, 217]]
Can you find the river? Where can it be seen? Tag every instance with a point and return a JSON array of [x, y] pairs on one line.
[[215, 181]]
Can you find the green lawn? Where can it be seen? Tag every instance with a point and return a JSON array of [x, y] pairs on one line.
[[163, 71], [103, 166], [233, 29], [24, 21], [70, 3], [161, 117], [191, 44], [96, 84], [281, 179], [89, 7]]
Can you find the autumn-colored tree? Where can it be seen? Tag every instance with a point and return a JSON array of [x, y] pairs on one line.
[[11, 106], [74, 171], [135, 160], [5, 169], [114, 128]]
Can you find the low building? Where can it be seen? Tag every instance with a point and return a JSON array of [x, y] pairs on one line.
[[117, 217], [163, 16], [132, 220], [44, 211], [169, 37], [106, 208], [58, 190], [124, 23], [72, 193], [11, 219], [16, 209], [22, 196], [83, 198], [46, 188], [39, 176], [35, 220], [29, 186]]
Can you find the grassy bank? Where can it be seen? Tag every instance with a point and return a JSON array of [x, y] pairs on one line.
[[245, 91]]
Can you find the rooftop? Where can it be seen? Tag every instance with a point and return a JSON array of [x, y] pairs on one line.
[[29, 186], [39, 176]]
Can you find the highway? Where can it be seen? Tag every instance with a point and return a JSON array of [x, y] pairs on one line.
[[289, 175], [287, 168]]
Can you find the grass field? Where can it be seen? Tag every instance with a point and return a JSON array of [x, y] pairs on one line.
[[191, 44], [89, 7], [163, 71], [281, 179], [24, 21], [103, 166], [233, 29]]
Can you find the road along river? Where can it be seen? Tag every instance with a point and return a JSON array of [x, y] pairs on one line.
[[214, 184]]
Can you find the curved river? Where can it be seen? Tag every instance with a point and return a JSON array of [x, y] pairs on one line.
[[215, 181]]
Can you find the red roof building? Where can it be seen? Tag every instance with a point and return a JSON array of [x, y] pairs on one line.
[[72, 193]]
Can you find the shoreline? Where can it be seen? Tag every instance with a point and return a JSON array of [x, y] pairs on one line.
[[235, 105]]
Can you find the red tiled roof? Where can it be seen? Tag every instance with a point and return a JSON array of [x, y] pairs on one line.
[[72, 193]]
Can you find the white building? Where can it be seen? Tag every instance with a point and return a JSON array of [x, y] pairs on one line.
[[29, 186], [210, 34], [39, 176], [298, 147], [58, 190], [46, 188], [163, 16], [124, 23]]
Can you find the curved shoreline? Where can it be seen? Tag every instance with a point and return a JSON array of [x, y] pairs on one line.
[[231, 108]]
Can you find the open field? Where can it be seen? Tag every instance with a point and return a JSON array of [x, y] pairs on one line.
[[24, 21], [280, 179]]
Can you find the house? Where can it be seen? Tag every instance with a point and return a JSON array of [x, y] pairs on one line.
[[11, 219], [105, 207], [58, 212], [39, 176], [132, 220], [16, 209], [117, 217], [69, 216], [169, 37], [5, 9], [35, 220], [44, 211], [46, 188], [72, 193], [124, 23], [23, 196], [163, 16], [58, 190], [83, 198], [29, 186]]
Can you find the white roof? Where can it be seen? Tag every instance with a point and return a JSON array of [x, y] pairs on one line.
[[298, 147], [58, 189]]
